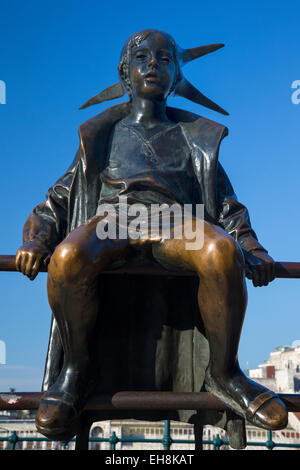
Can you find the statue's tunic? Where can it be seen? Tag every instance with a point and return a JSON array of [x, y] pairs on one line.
[[155, 169]]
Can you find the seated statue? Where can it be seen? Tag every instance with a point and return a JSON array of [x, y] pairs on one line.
[[147, 154]]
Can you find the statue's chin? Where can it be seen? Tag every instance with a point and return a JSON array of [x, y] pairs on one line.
[[152, 90]]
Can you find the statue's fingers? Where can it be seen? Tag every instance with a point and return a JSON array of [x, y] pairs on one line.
[[256, 280], [35, 268], [23, 263], [263, 275], [18, 261], [30, 262], [46, 260]]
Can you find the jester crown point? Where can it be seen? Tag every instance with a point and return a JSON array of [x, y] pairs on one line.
[[183, 87]]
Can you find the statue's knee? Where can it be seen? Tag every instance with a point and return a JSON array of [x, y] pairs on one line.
[[67, 263], [223, 253]]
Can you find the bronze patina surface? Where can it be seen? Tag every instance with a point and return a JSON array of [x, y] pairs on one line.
[[181, 334]]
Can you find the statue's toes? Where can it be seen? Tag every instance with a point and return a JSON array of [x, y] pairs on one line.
[[56, 419], [271, 414]]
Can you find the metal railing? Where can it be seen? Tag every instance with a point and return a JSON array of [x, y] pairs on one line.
[[283, 269], [167, 441]]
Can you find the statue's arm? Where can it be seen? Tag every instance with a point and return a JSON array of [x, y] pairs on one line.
[[48, 221], [46, 226], [234, 218]]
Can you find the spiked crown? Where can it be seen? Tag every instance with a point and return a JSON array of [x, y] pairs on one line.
[[182, 87]]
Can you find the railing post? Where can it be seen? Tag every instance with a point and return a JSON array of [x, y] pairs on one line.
[[113, 441], [217, 442], [13, 439], [167, 440], [270, 444]]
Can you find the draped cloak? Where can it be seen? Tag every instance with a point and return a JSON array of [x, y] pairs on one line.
[[151, 336]]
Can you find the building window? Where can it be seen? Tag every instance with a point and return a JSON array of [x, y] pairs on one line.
[[97, 431]]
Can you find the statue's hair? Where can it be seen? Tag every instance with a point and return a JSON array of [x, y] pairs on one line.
[[135, 40]]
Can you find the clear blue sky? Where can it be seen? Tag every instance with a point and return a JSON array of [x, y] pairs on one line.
[[55, 55]]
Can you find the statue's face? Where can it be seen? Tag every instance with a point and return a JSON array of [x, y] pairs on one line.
[[152, 67]]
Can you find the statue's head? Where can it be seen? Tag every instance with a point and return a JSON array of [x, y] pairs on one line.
[[150, 67]]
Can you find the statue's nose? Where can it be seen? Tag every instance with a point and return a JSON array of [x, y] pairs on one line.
[[153, 62]]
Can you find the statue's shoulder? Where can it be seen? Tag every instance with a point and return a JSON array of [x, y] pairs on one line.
[[102, 123], [197, 126]]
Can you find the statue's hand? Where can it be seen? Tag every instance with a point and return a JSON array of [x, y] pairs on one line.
[[260, 267], [30, 257]]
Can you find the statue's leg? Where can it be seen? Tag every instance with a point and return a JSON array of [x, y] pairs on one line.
[[73, 275], [222, 300]]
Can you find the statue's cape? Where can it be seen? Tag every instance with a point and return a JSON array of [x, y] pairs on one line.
[[150, 332]]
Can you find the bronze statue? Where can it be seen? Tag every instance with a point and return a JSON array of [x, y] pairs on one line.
[[151, 154]]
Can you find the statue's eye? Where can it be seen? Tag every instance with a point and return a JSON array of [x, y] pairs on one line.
[[141, 56], [165, 59]]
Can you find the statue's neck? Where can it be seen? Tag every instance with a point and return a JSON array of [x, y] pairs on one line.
[[149, 113]]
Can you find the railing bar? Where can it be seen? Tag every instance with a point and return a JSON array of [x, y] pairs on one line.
[[138, 401], [283, 269]]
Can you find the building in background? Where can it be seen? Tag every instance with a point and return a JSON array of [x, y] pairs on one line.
[[281, 372]]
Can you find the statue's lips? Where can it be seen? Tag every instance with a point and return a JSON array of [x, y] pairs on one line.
[[152, 78]]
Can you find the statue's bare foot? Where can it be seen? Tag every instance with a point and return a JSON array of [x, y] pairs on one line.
[[61, 406], [257, 404]]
